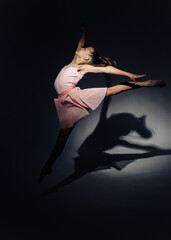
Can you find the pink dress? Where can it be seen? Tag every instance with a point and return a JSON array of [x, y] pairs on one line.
[[73, 103]]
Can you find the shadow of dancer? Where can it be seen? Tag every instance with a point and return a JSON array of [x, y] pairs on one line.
[[107, 135]]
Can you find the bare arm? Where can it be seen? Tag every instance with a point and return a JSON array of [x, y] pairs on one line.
[[81, 43], [109, 70], [116, 71]]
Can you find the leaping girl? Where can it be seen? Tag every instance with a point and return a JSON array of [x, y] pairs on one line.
[[74, 103]]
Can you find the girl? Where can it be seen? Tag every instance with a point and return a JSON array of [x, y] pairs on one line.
[[73, 103]]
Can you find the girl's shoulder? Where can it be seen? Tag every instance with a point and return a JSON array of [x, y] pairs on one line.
[[73, 68]]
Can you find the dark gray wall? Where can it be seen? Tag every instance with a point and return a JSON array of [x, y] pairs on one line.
[[118, 191]]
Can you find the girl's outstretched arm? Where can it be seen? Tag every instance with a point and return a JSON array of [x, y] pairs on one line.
[[108, 69], [81, 43], [116, 71]]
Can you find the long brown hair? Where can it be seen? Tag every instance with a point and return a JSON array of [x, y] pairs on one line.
[[99, 61]]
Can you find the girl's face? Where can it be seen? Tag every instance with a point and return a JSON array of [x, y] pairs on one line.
[[85, 54]]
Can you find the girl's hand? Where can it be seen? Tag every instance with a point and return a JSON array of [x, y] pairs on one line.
[[134, 76]]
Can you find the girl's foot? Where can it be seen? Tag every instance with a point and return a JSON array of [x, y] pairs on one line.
[[151, 83], [156, 83]]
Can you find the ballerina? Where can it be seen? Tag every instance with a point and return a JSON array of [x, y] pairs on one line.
[[74, 103]]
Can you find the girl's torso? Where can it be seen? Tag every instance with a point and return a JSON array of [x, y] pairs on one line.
[[67, 77]]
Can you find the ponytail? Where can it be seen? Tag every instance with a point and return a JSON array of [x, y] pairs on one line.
[[99, 61], [108, 61]]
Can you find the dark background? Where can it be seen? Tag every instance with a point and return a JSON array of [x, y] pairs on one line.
[[132, 198]]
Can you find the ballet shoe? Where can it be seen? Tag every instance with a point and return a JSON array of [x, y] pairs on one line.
[[157, 83], [164, 84]]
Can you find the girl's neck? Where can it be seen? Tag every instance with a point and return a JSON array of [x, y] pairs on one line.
[[75, 62], [72, 65]]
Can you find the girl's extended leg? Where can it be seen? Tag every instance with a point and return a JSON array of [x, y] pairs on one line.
[[56, 152], [132, 85]]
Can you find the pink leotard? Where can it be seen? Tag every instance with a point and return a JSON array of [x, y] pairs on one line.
[[74, 103], [67, 77]]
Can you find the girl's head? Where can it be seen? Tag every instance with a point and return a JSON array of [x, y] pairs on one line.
[[90, 56], [85, 55]]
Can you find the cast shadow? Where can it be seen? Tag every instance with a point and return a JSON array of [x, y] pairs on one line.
[[107, 135]]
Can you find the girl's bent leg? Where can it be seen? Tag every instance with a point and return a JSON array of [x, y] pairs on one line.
[[63, 135], [132, 85], [56, 152]]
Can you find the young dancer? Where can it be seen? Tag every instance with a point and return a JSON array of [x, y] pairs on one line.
[[74, 103]]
